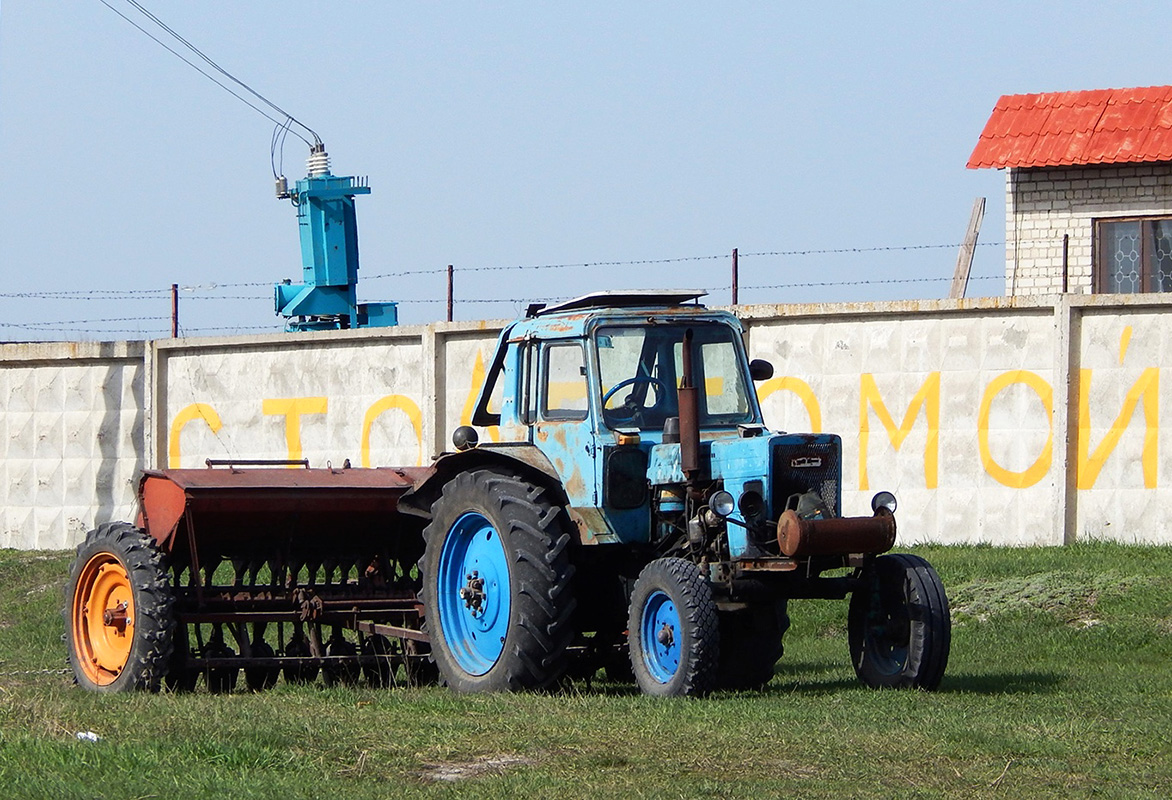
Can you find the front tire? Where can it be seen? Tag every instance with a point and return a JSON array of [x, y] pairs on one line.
[[900, 629], [673, 632], [118, 609], [496, 584]]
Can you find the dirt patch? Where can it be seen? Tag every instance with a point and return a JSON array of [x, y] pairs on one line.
[[1071, 596], [451, 771]]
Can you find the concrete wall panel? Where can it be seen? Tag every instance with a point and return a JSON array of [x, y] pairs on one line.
[[324, 399], [906, 393], [70, 439], [467, 359], [1011, 421]]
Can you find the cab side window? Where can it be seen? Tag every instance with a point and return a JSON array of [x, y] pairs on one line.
[[564, 390]]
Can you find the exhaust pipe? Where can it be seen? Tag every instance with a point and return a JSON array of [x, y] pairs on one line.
[[689, 401]]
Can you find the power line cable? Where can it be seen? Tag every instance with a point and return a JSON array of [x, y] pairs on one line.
[[279, 122]]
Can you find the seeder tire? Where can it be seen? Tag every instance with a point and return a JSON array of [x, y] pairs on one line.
[[497, 584], [673, 633], [899, 627], [118, 611]]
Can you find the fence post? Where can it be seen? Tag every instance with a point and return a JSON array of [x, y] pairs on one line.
[[736, 278], [450, 300]]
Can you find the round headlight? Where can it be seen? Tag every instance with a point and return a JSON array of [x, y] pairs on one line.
[[885, 500], [722, 503], [752, 505]]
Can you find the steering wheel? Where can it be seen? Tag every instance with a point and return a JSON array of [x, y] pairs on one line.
[[633, 410]]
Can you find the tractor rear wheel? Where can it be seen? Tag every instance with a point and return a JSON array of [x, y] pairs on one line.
[[673, 633], [118, 611], [899, 626], [496, 584]]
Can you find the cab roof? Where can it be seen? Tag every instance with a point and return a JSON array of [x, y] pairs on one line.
[[631, 298]]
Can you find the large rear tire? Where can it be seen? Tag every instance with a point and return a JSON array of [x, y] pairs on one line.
[[118, 611], [673, 633], [496, 584], [899, 625]]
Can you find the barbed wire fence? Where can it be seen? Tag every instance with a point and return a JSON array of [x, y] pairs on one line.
[[156, 326]]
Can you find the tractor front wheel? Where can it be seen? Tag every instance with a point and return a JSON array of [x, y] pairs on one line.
[[899, 626], [118, 611], [673, 631], [496, 584]]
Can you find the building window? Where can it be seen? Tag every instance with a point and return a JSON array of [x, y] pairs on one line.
[[1134, 255]]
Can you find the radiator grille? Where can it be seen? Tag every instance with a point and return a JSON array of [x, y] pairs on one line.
[[802, 467]]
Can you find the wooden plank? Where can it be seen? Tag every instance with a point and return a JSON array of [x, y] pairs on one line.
[[964, 259]]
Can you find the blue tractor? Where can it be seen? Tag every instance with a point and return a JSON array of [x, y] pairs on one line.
[[635, 514]]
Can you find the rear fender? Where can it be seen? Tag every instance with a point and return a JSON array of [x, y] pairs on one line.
[[520, 458]]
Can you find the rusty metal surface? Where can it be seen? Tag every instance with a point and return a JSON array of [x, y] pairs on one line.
[[199, 480], [394, 631], [837, 536], [766, 564], [241, 505], [689, 408]]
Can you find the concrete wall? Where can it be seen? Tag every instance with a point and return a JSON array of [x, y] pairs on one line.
[[1023, 421], [1043, 204], [71, 433]]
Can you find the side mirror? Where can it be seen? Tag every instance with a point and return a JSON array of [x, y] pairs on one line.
[[760, 369]]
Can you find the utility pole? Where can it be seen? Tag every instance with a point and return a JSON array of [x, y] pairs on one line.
[[964, 259]]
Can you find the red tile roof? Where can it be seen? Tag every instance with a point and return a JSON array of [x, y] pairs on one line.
[[1104, 126]]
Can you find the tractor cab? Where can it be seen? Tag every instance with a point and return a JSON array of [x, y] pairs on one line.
[[642, 405]]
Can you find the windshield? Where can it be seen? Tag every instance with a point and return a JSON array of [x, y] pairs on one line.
[[641, 367]]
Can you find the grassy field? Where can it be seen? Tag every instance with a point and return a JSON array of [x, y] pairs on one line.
[[1059, 685]]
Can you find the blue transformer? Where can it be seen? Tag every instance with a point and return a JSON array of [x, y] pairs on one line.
[[328, 298]]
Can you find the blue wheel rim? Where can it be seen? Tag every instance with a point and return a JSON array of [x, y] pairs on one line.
[[475, 634], [660, 616]]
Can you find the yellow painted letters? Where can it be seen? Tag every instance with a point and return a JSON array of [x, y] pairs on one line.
[[404, 404], [1147, 389], [1036, 471], [202, 411], [292, 409], [802, 390], [928, 398]]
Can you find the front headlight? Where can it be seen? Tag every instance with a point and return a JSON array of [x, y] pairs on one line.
[[722, 504], [883, 500]]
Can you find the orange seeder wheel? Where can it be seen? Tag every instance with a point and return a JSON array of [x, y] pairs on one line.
[[103, 616]]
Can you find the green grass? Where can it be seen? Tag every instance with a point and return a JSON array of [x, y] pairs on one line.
[[1059, 685]]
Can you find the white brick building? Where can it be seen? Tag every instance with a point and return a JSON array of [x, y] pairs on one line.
[[1088, 189]]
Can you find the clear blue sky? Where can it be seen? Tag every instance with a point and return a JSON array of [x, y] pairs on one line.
[[520, 134]]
